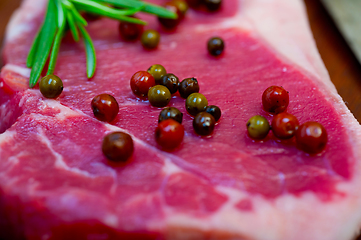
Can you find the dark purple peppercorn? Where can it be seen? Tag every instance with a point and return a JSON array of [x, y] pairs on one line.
[[130, 31], [213, 5], [167, 22], [170, 81], [194, 3], [214, 111], [188, 86], [170, 112], [215, 46], [204, 123]]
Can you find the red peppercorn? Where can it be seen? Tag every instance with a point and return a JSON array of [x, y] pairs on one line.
[[311, 137], [130, 31], [118, 146], [141, 82], [275, 99], [167, 22], [284, 125], [169, 133], [105, 107]]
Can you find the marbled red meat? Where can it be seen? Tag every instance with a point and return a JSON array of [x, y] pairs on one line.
[[56, 184]]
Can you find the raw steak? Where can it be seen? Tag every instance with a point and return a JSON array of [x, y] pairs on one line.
[[56, 184]]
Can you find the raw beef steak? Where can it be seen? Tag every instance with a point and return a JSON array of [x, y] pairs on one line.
[[56, 184]]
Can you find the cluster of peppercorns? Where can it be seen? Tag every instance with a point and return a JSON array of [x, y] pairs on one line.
[[116, 146], [150, 38], [311, 137], [158, 86]]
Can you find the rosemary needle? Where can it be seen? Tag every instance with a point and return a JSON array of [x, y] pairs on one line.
[[47, 42]]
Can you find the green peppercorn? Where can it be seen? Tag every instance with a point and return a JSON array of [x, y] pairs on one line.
[[170, 81], [203, 123], [157, 71], [159, 96], [214, 111], [170, 113], [182, 6], [258, 127], [51, 86], [188, 86], [150, 39], [195, 103]]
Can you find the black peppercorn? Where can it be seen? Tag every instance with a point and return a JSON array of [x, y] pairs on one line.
[[215, 46], [171, 82], [188, 86]]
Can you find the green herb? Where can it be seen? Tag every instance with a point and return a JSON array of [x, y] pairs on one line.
[[62, 13]]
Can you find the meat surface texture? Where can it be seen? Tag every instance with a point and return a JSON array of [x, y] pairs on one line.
[[55, 182]]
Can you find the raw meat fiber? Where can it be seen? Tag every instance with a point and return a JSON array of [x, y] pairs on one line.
[[55, 182]]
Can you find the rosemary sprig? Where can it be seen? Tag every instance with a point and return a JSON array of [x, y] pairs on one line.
[[62, 13]]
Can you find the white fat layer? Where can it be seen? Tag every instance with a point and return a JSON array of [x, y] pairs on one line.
[[22, 71], [111, 220], [64, 113], [59, 160], [280, 218], [5, 137], [170, 168]]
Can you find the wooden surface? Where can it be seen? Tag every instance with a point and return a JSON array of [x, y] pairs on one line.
[[344, 69], [346, 14], [6, 9]]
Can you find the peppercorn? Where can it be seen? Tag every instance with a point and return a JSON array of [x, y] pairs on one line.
[[170, 113], [141, 82], [213, 5], [311, 137], [159, 96], [195, 103], [275, 99], [118, 146], [214, 111], [157, 71], [284, 125], [188, 86], [171, 82], [203, 123], [215, 46], [130, 31], [258, 127], [169, 23], [169, 134], [182, 7], [105, 107], [150, 39], [51, 86]]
